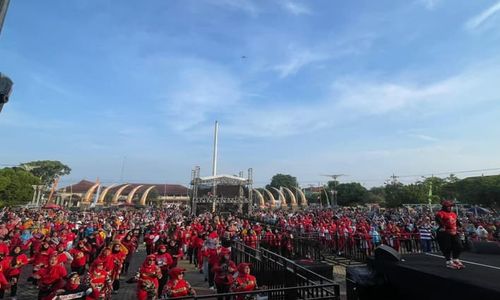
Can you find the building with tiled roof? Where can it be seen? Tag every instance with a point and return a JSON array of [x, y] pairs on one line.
[[84, 192]]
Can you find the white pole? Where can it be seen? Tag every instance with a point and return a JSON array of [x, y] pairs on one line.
[[214, 161], [214, 165]]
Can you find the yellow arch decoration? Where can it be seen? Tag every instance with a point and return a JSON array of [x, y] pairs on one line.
[[145, 195], [104, 193], [293, 201], [132, 193], [303, 199], [271, 198], [283, 199], [89, 193], [262, 203], [118, 193]]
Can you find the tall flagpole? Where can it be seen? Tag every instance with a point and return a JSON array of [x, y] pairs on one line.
[[214, 165]]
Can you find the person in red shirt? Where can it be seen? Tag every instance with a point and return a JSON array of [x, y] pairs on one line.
[[244, 282], [177, 286], [62, 255], [223, 272], [79, 254], [50, 279], [130, 242], [41, 258], [100, 282], [447, 237], [149, 273], [165, 261], [12, 266]]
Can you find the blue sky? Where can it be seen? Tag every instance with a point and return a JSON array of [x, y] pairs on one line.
[[364, 88]]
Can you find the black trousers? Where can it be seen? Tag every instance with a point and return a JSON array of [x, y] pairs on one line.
[[222, 289], [449, 244]]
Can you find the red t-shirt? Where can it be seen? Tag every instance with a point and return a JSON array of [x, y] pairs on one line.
[[448, 221]]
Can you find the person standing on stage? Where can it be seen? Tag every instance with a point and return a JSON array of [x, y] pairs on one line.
[[447, 235]]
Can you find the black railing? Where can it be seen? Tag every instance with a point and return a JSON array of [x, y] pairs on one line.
[[352, 247], [269, 293], [284, 278]]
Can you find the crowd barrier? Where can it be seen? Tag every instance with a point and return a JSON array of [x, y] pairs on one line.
[[282, 278], [351, 246]]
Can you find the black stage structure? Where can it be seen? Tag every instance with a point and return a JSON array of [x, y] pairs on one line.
[[424, 276], [221, 193]]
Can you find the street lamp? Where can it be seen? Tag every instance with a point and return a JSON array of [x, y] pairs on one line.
[[334, 192], [5, 89], [5, 82]]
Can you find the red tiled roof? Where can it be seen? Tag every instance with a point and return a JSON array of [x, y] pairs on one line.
[[78, 188]]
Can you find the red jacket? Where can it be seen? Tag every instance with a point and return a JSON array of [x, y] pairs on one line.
[[178, 288], [447, 221]]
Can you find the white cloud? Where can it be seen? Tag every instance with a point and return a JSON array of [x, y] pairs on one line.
[[429, 4], [424, 137], [297, 60], [476, 21], [199, 92], [205, 92], [296, 8]]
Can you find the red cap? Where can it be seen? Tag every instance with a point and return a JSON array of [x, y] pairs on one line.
[[174, 272], [241, 267], [447, 203], [213, 235], [224, 251]]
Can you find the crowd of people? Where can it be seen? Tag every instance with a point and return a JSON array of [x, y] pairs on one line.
[[411, 228], [87, 255]]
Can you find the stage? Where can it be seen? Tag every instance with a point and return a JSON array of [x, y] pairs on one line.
[[424, 276]]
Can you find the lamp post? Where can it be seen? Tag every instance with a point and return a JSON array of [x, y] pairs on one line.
[[5, 82]]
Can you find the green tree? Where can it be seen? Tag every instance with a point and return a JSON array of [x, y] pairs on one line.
[[376, 195], [483, 190], [350, 194], [280, 180], [394, 194], [46, 170], [16, 186]]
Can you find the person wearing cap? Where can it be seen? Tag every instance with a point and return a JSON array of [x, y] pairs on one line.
[[177, 286], [447, 235], [223, 272], [244, 282], [149, 273]]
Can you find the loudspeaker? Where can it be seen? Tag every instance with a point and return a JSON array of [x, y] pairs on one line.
[[384, 252], [486, 247]]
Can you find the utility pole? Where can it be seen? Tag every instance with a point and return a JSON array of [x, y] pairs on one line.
[[214, 165]]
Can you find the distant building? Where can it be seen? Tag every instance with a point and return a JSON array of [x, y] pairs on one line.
[[84, 193]]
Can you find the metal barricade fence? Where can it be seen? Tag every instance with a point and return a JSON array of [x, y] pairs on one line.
[[284, 278]]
